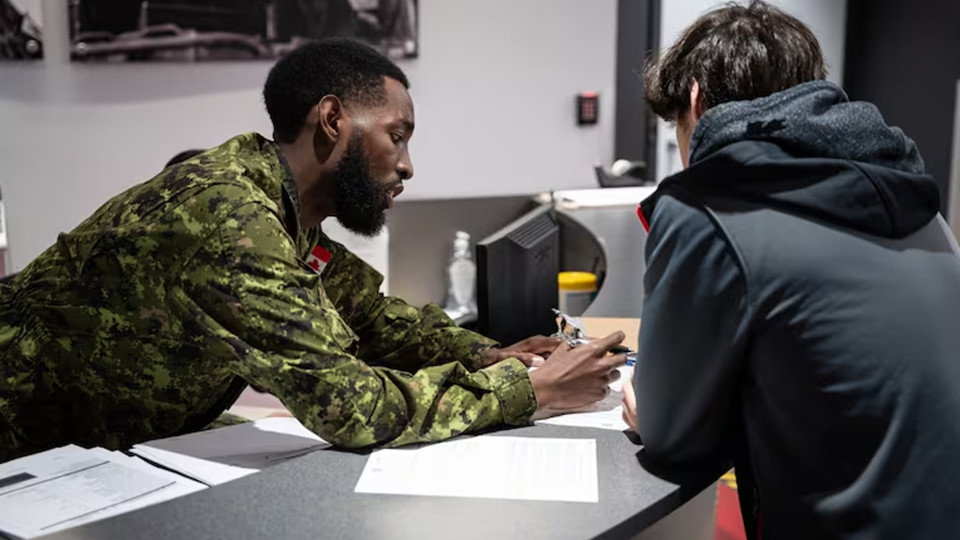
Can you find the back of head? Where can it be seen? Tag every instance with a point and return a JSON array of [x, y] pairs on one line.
[[754, 75], [734, 53], [344, 68]]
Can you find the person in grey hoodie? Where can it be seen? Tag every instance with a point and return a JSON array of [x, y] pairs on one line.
[[802, 312]]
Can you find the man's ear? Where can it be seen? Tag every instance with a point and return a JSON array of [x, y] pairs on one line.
[[326, 119], [696, 101], [328, 113]]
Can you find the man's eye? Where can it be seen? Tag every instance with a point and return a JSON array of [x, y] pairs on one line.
[[396, 138]]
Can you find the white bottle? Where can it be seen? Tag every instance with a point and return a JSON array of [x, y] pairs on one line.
[[462, 279]]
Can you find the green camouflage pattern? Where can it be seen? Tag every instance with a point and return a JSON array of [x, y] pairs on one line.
[[151, 317]]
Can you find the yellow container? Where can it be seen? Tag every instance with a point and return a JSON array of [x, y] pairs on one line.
[[577, 291]]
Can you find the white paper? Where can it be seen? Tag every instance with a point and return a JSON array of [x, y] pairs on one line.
[[208, 471], [488, 467], [604, 414], [69, 486], [220, 455]]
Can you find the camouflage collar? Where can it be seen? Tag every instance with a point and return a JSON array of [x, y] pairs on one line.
[[289, 185]]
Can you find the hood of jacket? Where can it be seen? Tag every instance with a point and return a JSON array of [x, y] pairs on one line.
[[810, 150]]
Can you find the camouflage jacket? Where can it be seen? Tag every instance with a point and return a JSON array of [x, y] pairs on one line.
[[150, 317]]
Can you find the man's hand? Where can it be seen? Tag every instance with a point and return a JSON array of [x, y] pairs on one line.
[[577, 376], [629, 402], [531, 351]]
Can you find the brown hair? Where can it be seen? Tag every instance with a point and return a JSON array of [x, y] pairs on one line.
[[734, 53]]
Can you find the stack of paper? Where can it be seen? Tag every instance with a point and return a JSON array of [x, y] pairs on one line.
[[488, 467], [69, 486], [605, 414], [221, 455]]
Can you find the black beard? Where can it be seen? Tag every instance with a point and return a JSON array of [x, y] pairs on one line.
[[362, 202]]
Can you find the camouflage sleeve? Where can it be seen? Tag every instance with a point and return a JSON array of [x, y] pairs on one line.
[[226, 420], [393, 333], [267, 311]]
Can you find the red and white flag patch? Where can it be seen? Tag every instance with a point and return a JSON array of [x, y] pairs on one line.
[[318, 258]]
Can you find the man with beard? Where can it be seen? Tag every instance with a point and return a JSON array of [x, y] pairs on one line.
[[150, 317]]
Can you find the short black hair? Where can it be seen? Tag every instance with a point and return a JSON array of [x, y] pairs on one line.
[[735, 53], [344, 68], [183, 156]]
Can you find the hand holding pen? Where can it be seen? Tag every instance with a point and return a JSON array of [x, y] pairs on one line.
[[579, 374], [571, 329]]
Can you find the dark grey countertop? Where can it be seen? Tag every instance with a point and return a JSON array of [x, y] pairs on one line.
[[312, 497]]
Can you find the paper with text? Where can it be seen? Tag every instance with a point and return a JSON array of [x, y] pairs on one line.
[[488, 467], [69, 486]]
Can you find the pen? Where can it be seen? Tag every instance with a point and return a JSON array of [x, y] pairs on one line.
[[616, 349], [631, 355]]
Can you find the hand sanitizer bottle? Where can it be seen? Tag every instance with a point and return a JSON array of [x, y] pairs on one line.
[[461, 303]]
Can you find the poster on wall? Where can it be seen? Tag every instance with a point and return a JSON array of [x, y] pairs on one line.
[[20, 36], [212, 30]]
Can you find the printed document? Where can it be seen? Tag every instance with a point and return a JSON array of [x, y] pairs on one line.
[[488, 467], [69, 486]]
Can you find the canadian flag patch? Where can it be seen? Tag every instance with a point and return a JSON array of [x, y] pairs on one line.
[[318, 258]]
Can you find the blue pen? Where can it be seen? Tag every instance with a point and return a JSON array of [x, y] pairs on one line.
[[631, 355]]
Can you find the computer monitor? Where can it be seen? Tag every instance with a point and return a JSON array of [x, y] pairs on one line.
[[517, 270]]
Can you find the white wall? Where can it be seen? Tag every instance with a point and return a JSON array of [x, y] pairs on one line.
[[827, 19], [494, 90]]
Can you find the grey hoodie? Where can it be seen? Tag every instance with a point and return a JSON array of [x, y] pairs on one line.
[[802, 321]]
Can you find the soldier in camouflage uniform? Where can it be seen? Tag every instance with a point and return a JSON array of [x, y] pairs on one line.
[[150, 317]]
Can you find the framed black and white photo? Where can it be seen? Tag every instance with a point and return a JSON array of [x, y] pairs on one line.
[[211, 30], [20, 34]]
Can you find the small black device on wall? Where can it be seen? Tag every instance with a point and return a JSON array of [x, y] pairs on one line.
[[588, 108]]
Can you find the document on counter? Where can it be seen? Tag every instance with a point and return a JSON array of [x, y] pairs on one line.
[[604, 414], [488, 467], [70, 486], [218, 456]]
